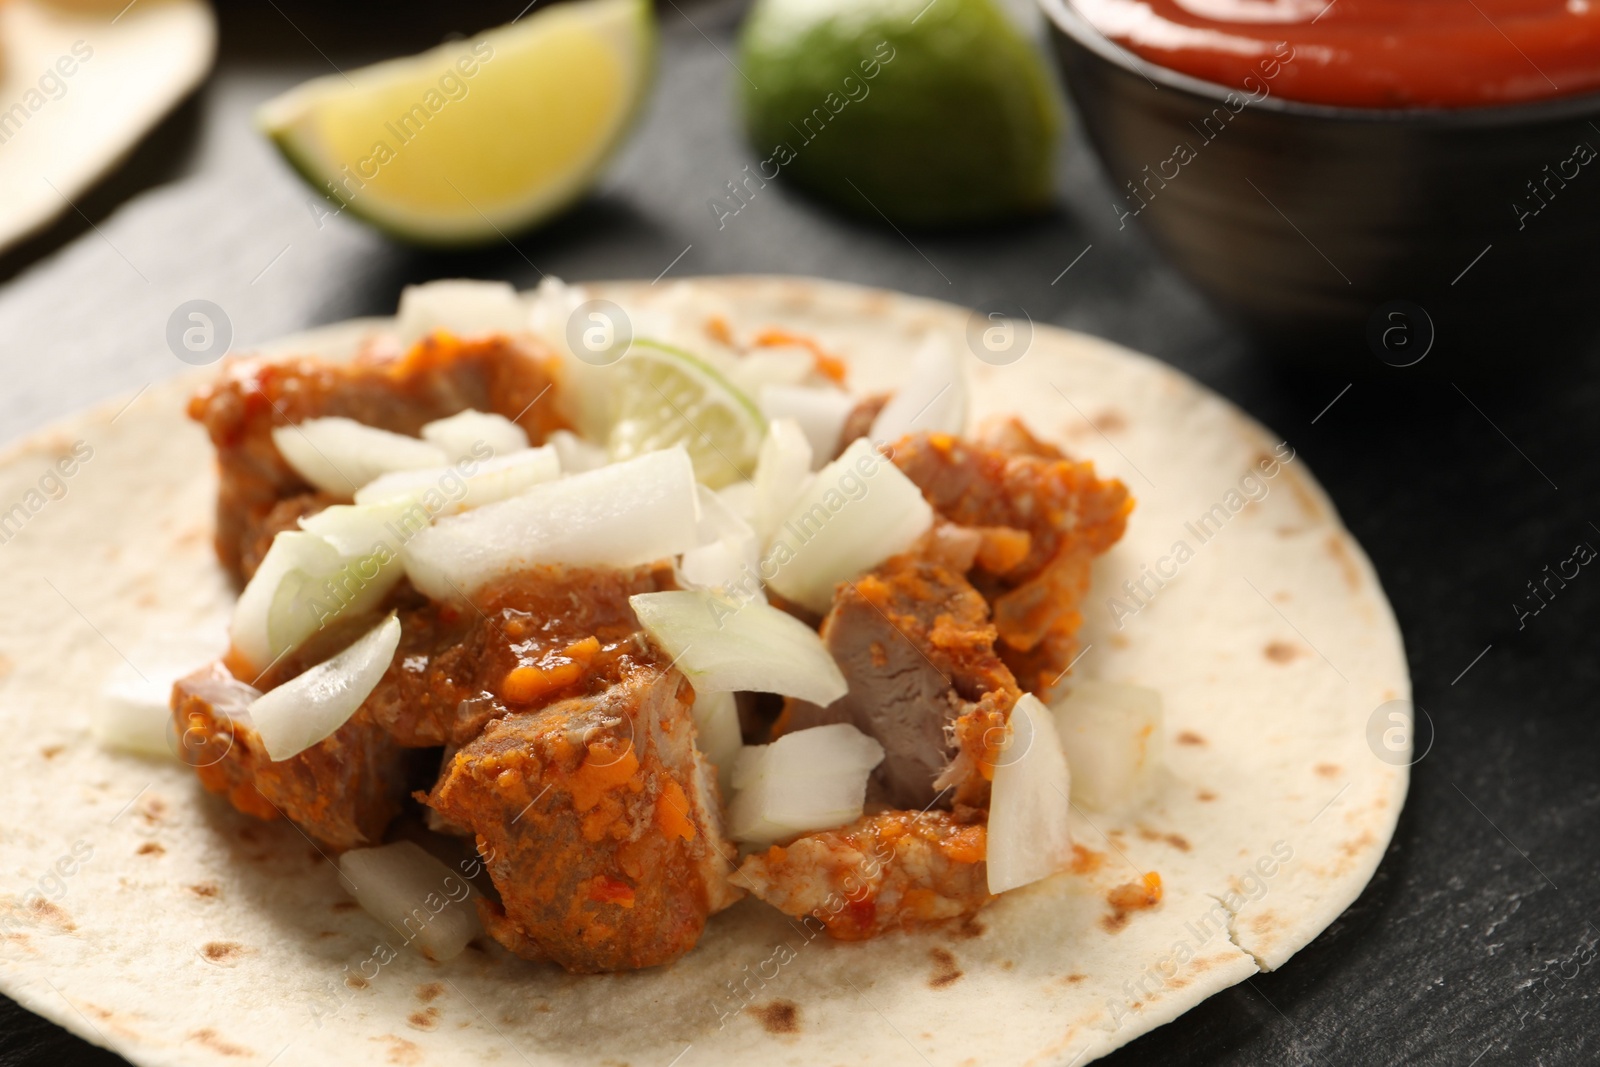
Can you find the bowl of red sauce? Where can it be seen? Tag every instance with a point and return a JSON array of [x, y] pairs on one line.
[[1395, 179]]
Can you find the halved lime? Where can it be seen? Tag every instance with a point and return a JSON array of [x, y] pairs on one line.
[[474, 139], [665, 396]]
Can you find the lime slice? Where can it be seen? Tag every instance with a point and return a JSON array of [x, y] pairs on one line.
[[474, 139], [930, 113], [667, 397]]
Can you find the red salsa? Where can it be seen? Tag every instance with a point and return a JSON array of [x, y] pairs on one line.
[[1369, 53]]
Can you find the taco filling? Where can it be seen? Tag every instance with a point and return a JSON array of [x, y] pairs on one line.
[[650, 634]]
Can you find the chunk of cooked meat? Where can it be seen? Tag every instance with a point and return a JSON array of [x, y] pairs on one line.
[[439, 377], [893, 870], [914, 642], [342, 791], [599, 824], [859, 422], [524, 641], [1067, 514]]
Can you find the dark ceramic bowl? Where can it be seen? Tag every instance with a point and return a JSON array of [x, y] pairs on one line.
[[1347, 230]]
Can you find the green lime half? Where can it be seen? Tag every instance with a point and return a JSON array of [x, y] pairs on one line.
[[929, 111], [666, 396]]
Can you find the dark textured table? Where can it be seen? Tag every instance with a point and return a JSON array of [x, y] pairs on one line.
[[1475, 943]]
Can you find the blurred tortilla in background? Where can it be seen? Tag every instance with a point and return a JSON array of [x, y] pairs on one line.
[[81, 81]]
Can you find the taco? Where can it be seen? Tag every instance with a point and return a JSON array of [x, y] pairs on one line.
[[748, 667]]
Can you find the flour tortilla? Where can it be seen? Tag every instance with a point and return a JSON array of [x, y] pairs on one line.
[[141, 60], [194, 932]]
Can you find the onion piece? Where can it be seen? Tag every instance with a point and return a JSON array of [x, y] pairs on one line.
[[466, 434], [1114, 738], [460, 306], [821, 414], [812, 779], [856, 513], [356, 529], [134, 712], [933, 399], [729, 556], [432, 907], [577, 454], [1028, 807], [787, 365], [749, 647], [311, 707], [623, 515], [716, 725], [783, 471], [339, 455], [469, 484], [302, 583]]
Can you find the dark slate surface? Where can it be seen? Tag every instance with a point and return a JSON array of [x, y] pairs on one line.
[[1475, 944]]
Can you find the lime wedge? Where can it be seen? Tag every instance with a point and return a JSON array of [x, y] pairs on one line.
[[666, 396], [479, 138]]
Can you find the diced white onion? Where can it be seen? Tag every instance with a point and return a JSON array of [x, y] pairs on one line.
[[356, 529], [745, 647], [933, 399], [430, 906], [716, 725], [788, 365], [783, 471], [858, 511], [728, 556], [134, 712], [812, 779], [462, 307], [311, 707], [302, 583], [468, 484], [467, 434], [623, 515], [1028, 837], [1114, 738], [820, 412], [577, 454], [339, 455]]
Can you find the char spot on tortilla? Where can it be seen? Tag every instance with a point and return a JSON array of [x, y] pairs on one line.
[[249, 833], [209, 1038], [1328, 770], [1128, 898], [1356, 846], [1282, 652], [205, 890], [946, 971], [52, 751], [1085, 860], [152, 809], [52, 913], [1120, 641], [780, 1017], [1205, 796], [1074, 979], [1006, 965], [6, 665], [1263, 921], [430, 992], [325, 934], [1110, 421], [401, 1051], [346, 905], [1177, 841], [426, 1019], [1347, 564], [355, 981], [970, 928], [1189, 737], [150, 848], [222, 951]]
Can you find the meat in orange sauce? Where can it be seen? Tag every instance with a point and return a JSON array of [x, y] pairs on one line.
[[437, 378], [891, 871], [599, 823], [1069, 516]]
